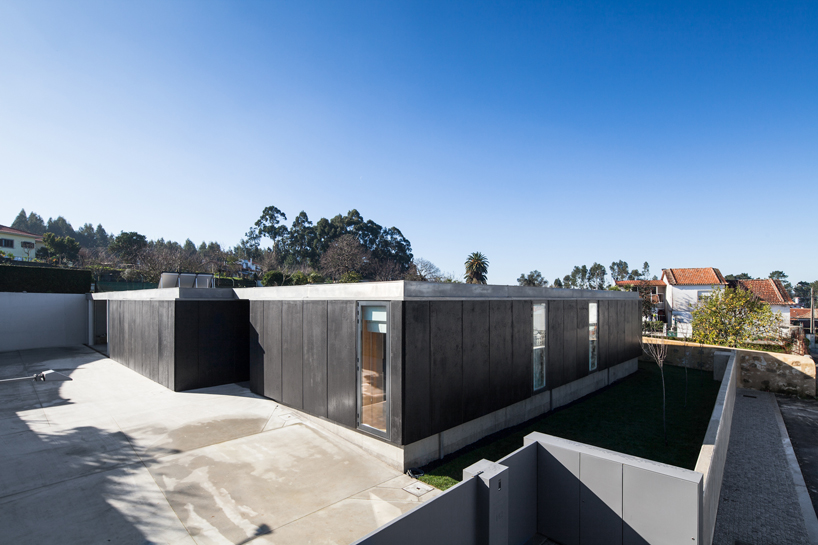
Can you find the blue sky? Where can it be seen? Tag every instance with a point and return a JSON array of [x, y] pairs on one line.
[[543, 134]]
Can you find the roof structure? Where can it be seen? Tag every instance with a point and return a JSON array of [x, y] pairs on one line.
[[707, 276], [12, 231], [802, 313], [640, 283], [768, 290]]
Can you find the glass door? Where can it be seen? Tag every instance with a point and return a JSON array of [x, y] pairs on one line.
[[373, 368]]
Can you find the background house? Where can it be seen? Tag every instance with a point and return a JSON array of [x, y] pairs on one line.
[[685, 287], [801, 316], [18, 244], [771, 292]]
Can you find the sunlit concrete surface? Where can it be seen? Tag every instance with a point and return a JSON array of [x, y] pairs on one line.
[[112, 457]]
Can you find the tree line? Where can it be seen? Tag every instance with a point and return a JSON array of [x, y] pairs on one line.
[[343, 247], [593, 277]]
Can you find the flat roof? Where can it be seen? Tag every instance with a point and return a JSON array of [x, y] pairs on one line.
[[399, 290]]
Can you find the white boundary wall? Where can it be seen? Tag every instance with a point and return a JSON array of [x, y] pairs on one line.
[[713, 453], [42, 320]]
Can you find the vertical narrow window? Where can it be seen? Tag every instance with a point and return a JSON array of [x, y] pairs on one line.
[[373, 347], [593, 336], [539, 345]]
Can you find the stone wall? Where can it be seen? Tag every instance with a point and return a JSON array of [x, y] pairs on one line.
[[780, 373], [765, 371]]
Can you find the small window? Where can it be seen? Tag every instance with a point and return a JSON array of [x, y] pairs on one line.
[[6, 243], [539, 345], [593, 336]]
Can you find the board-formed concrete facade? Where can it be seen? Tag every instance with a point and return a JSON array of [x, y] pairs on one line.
[[457, 352], [457, 359]]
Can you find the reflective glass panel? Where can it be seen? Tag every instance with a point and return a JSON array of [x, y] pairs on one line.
[[539, 345], [593, 336], [373, 366]]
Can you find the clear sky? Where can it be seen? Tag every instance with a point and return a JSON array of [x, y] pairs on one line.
[[543, 134]]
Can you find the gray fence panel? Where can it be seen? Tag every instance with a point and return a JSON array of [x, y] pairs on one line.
[[658, 508], [522, 493], [558, 494], [600, 514], [713, 454], [417, 420]]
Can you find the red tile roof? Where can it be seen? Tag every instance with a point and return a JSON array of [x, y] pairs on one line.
[[11, 231], [707, 276], [768, 290], [639, 283], [802, 313]]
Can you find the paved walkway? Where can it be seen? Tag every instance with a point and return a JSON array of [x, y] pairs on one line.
[[758, 504], [112, 457]]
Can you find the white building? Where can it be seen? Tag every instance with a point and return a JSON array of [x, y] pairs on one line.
[[685, 288]]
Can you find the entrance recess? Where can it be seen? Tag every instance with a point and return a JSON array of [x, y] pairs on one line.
[[373, 366]]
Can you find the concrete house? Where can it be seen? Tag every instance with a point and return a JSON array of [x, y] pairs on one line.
[[685, 288], [409, 371], [19, 245]]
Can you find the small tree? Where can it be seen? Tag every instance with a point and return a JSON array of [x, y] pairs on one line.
[[477, 266], [345, 255], [657, 350], [533, 279], [732, 317]]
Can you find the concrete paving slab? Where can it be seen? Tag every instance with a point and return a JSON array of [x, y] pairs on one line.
[[15, 422], [121, 506], [93, 459], [240, 485], [30, 460], [343, 522]]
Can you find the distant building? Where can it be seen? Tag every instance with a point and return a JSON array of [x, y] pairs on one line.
[[801, 316], [685, 288], [19, 245], [771, 292]]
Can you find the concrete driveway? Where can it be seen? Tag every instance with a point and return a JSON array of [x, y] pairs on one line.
[[111, 457]]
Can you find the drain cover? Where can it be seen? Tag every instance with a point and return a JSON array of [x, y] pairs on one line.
[[418, 489]]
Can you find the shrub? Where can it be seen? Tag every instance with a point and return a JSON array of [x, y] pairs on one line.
[[350, 278], [315, 278], [298, 279], [44, 280], [272, 278]]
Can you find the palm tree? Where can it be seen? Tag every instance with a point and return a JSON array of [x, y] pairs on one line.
[[477, 265]]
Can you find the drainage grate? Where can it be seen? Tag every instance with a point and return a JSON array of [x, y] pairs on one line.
[[418, 489]]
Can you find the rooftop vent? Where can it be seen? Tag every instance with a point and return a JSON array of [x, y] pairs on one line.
[[186, 280]]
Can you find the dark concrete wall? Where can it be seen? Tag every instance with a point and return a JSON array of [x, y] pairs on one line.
[[140, 337], [302, 354], [451, 361], [465, 359], [182, 345], [211, 343]]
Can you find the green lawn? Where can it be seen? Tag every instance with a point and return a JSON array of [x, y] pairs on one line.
[[626, 417]]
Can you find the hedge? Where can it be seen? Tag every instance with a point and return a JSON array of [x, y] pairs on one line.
[[235, 283], [44, 280]]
